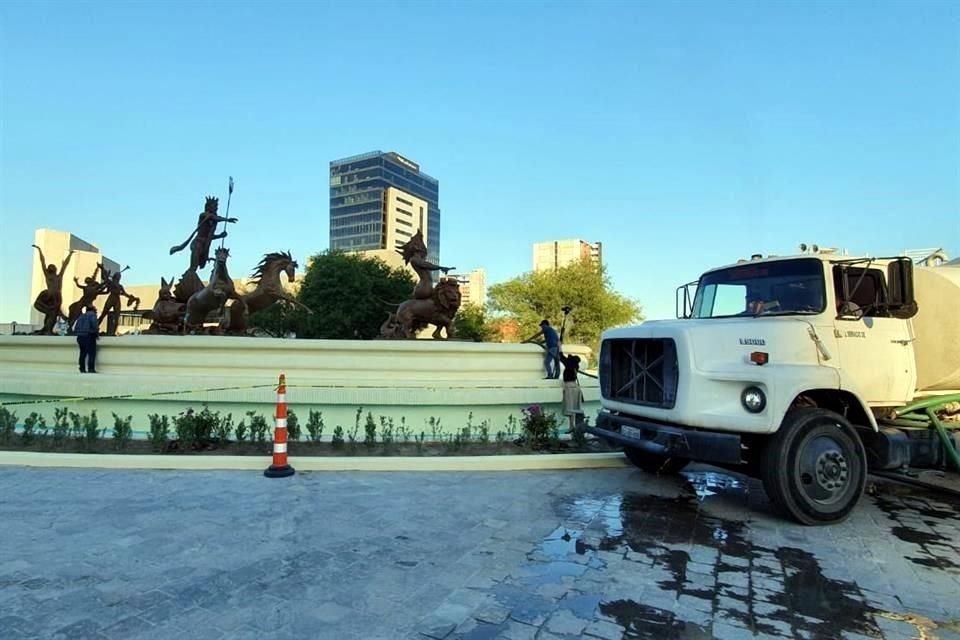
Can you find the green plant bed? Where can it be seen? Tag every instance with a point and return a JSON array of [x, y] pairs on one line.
[[206, 432], [316, 449]]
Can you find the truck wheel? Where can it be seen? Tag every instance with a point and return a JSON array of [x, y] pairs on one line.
[[652, 463], [815, 466]]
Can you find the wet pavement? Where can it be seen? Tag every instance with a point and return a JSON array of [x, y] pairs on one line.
[[605, 554]]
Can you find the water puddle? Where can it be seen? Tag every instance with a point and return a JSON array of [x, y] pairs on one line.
[[649, 623], [929, 524], [695, 554]]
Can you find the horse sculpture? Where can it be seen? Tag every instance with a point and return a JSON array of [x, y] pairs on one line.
[[268, 290], [214, 295]]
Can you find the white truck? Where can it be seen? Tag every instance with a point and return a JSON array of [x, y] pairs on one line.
[[804, 371]]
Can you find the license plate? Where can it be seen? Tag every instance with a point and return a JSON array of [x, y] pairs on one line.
[[632, 432]]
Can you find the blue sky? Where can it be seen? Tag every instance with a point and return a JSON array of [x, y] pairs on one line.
[[682, 135]]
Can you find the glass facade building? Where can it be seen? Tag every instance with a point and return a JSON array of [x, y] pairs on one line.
[[357, 200]]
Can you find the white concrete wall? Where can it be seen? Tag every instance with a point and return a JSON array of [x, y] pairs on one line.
[[415, 380]]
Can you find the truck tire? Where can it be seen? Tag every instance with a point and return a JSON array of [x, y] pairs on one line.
[[652, 463], [815, 467]]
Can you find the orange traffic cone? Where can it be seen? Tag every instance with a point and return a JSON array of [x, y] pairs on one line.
[[280, 468]]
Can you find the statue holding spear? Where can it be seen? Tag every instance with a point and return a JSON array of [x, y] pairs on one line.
[[205, 232]]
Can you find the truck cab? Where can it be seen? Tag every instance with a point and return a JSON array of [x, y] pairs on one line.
[[779, 367]]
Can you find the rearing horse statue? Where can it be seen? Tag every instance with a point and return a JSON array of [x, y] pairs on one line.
[[214, 295], [267, 291]]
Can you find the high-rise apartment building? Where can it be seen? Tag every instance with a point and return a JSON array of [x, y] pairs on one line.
[[559, 253], [378, 199]]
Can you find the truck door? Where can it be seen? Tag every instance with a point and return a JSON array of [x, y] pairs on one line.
[[876, 351]]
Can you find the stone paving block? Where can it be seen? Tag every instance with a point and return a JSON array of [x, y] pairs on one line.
[[492, 612], [701, 568], [771, 626], [81, 630], [435, 628], [699, 604], [127, 627], [734, 579], [604, 630], [734, 561], [563, 622], [724, 631], [518, 631], [896, 628], [724, 617]]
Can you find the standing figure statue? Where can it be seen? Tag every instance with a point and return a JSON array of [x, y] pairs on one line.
[[201, 238], [91, 289], [204, 234], [111, 310], [50, 301]]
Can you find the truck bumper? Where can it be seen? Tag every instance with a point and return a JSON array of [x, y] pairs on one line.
[[668, 440]]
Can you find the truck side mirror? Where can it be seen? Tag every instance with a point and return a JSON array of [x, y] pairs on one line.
[[900, 300], [684, 301]]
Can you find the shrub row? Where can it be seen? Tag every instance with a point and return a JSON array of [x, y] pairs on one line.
[[206, 429]]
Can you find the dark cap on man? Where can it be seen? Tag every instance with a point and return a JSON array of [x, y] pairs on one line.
[[544, 323]]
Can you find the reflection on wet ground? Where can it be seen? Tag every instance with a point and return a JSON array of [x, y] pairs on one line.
[[924, 521], [651, 564]]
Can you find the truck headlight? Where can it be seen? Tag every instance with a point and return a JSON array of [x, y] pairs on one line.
[[753, 399]]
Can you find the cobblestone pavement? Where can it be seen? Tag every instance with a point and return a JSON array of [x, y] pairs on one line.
[[604, 554]]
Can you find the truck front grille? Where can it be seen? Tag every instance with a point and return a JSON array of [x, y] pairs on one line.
[[641, 371]]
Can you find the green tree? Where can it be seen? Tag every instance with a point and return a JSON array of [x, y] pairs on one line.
[[471, 323], [583, 285], [350, 296]]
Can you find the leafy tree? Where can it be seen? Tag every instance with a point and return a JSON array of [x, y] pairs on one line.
[[350, 296], [583, 285], [471, 323]]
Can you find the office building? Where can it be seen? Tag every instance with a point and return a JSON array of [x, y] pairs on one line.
[[548, 256], [377, 199], [56, 245], [473, 287]]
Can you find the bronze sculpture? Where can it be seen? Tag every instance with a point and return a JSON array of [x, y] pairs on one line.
[[91, 288], [167, 313], [214, 295], [49, 302], [111, 309], [268, 290], [414, 253], [201, 238], [430, 305], [203, 235], [413, 316]]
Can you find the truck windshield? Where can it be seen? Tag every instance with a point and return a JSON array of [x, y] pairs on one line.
[[791, 287]]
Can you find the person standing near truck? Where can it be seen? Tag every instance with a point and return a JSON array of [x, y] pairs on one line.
[[551, 346], [87, 330], [572, 394]]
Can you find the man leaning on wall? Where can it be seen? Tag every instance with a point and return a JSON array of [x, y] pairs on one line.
[[87, 330]]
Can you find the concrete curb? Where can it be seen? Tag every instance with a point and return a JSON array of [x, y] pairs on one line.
[[318, 463]]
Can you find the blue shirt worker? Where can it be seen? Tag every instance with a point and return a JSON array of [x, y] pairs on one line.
[[551, 353], [87, 330]]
